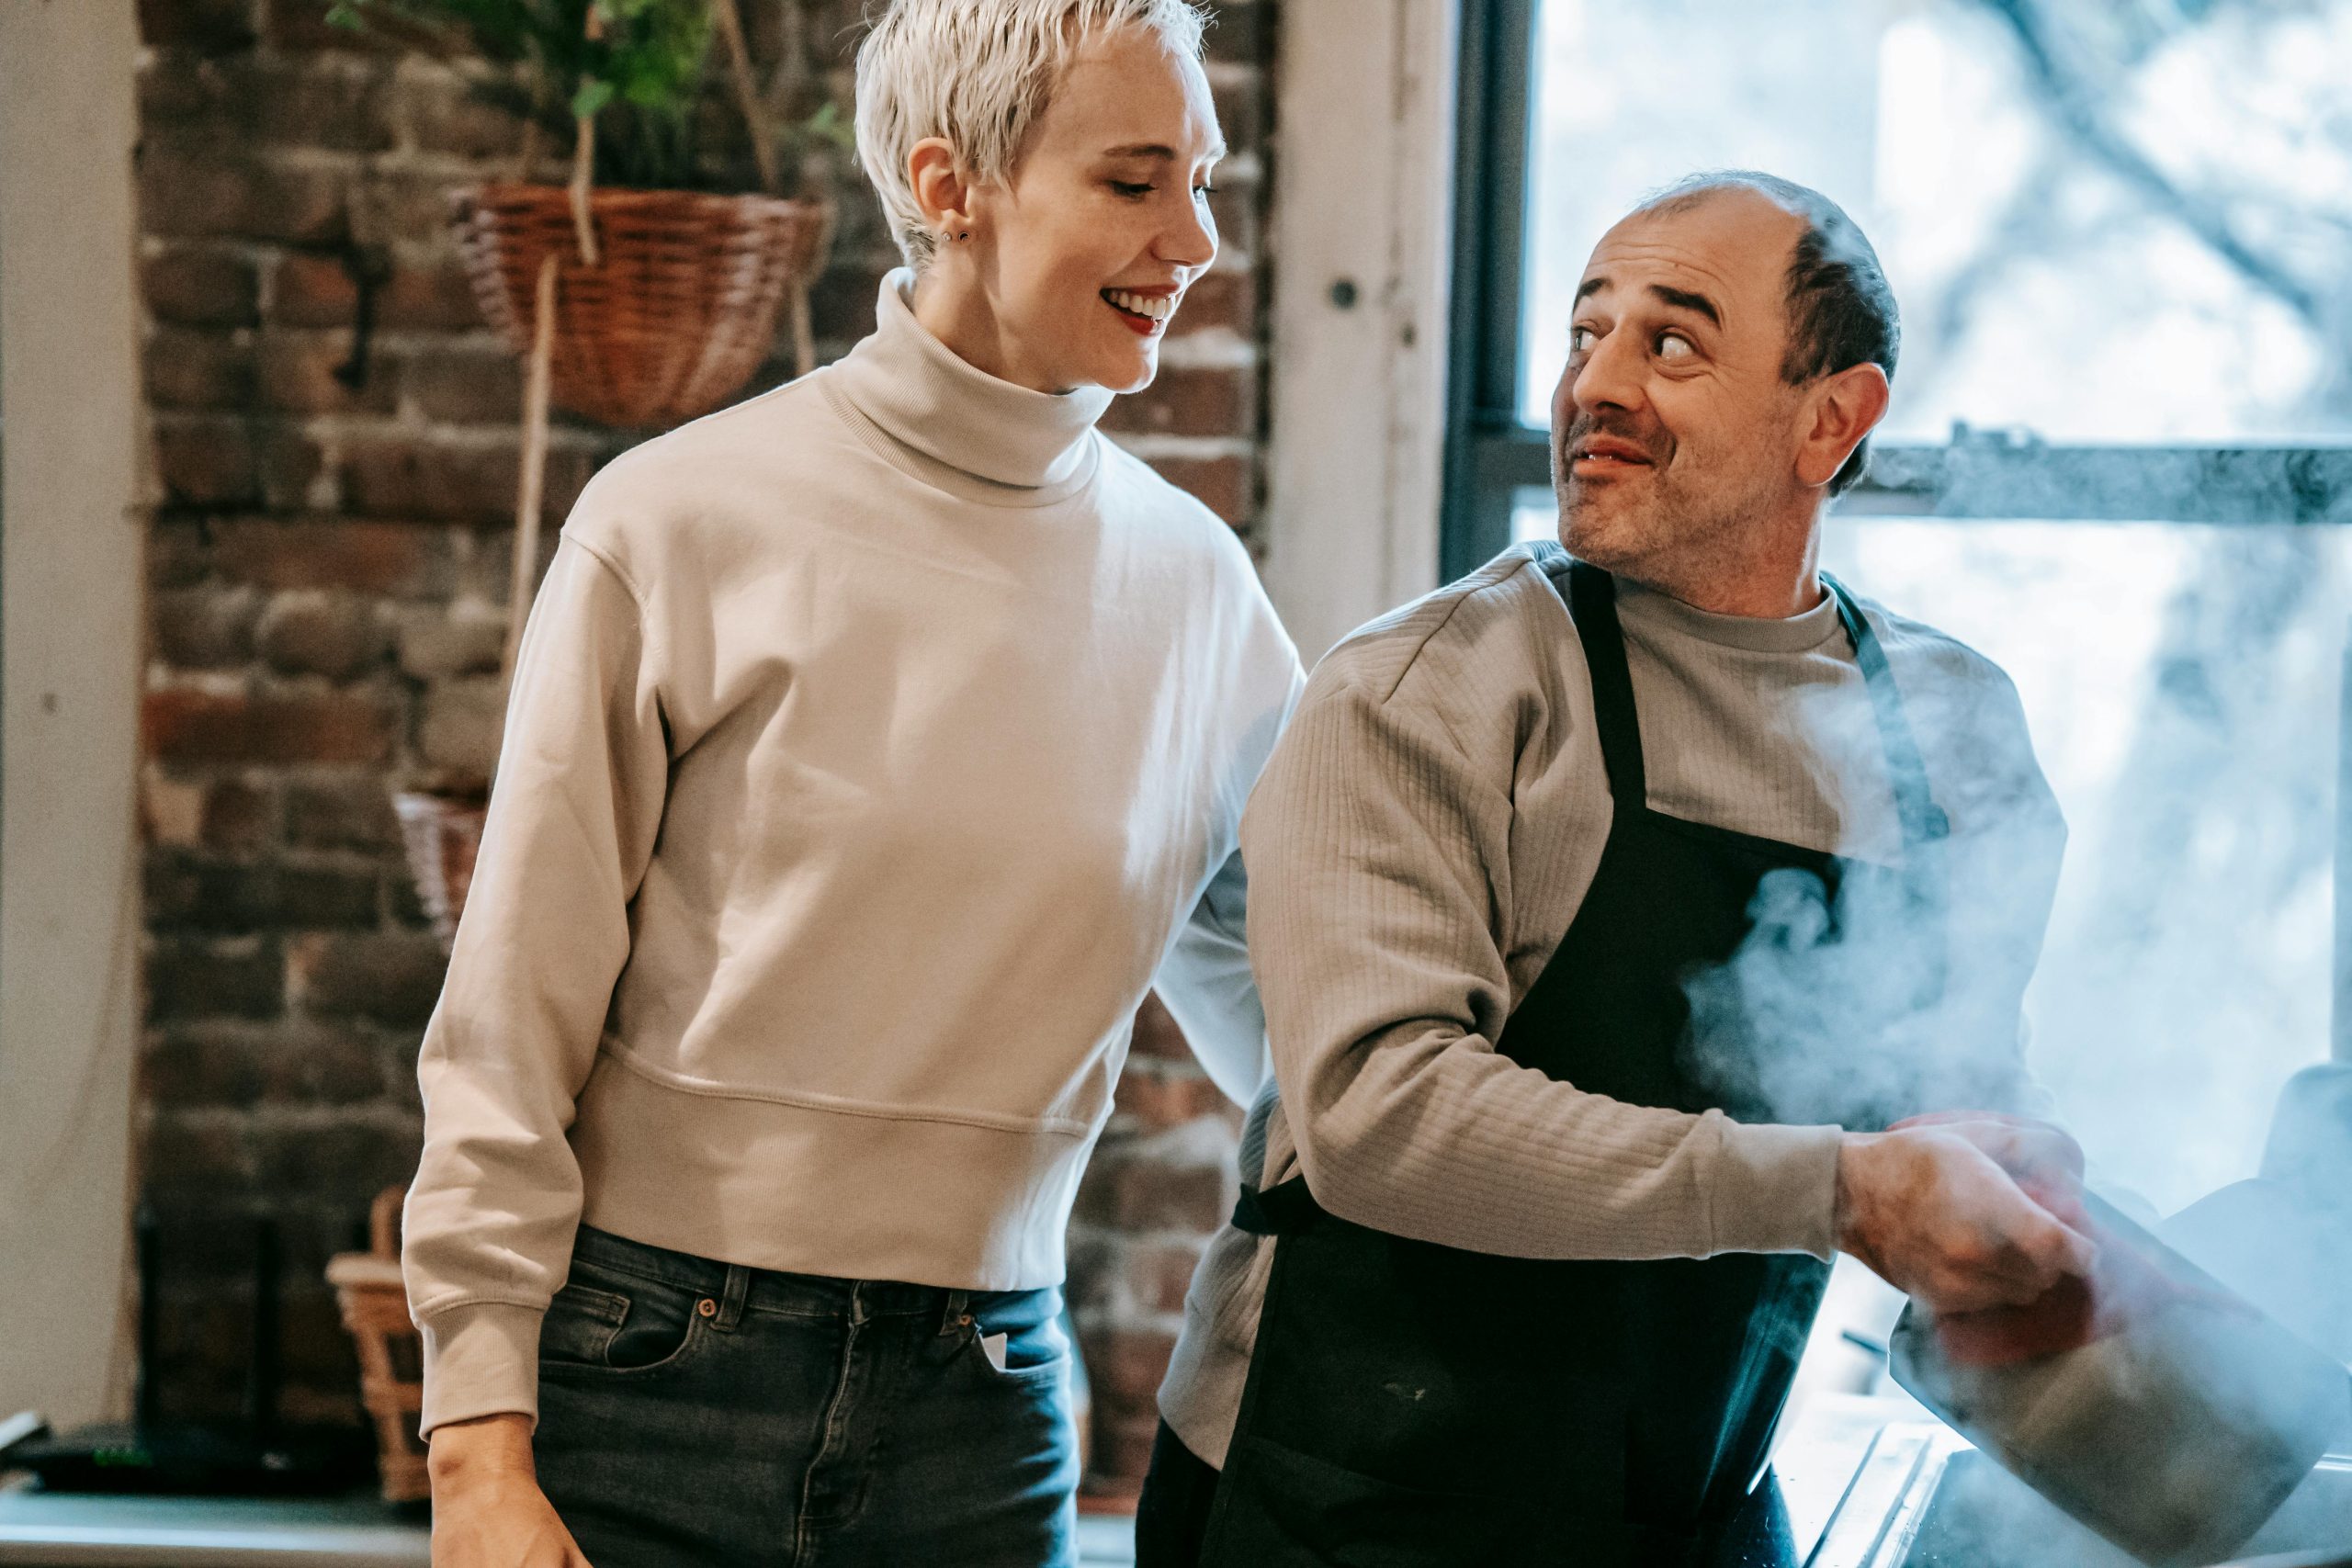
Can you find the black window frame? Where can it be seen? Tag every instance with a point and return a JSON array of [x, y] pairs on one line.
[[1491, 455]]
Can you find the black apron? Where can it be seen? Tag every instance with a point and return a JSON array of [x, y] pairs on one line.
[[1410, 1404]]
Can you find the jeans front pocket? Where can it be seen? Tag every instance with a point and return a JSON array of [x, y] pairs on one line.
[[1036, 1349], [580, 1323], [610, 1324]]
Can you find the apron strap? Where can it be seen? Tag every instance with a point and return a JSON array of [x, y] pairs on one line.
[[1280, 1210], [1924, 822], [1592, 603]]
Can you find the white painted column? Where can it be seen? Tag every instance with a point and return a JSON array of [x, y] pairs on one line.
[[1362, 245], [72, 630]]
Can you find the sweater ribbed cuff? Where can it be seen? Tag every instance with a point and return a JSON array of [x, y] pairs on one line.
[[481, 1359], [1776, 1189]]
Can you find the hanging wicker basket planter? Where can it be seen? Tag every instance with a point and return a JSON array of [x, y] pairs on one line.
[[678, 311], [442, 833], [636, 308], [369, 1287]]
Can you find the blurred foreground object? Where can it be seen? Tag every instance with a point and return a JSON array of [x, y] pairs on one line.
[[391, 1354], [2175, 1420]]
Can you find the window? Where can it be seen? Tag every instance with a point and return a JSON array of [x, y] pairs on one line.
[[2119, 459]]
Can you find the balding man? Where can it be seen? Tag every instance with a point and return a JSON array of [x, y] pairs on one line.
[[1611, 906]]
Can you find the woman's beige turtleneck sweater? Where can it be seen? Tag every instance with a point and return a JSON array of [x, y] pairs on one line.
[[875, 744]]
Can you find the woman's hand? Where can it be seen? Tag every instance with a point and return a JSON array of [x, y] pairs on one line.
[[488, 1510]]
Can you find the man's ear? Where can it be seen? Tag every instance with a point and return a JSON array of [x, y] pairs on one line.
[[1840, 412], [942, 187]]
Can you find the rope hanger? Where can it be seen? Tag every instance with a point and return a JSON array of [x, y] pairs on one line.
[[531, 489]]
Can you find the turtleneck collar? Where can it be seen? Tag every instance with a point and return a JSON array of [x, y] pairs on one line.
[[954, 421]]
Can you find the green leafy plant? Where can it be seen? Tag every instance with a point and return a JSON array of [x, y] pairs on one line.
[[641, 74]]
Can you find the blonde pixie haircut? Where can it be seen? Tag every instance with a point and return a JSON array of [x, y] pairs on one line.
[[975, 73]]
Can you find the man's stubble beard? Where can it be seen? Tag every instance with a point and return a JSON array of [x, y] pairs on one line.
[[1671, 539]]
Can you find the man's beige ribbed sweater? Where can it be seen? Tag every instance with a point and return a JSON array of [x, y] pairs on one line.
[[875, 744], [1425, 832]]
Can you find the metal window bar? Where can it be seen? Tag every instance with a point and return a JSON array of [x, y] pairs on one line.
[[1995, 473]]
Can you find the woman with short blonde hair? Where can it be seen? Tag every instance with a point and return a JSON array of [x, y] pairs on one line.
[[875, 744]]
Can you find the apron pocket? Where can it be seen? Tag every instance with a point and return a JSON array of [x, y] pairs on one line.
[[1277, 1507]]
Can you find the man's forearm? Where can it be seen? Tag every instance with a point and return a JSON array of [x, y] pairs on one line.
[[1439, 1138]]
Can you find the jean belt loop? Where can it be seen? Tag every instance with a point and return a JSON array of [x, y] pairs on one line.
[[952, 1314], [732, 1296]]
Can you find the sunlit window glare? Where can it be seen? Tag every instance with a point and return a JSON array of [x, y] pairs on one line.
[[2132, 227]]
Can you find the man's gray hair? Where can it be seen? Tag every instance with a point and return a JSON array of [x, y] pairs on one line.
[[975, 73]]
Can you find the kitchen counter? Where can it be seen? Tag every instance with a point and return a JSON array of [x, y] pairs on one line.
[[1924, 1496], [1825, 1444], [45, 1530], [1857, 1475], [53, 1529]]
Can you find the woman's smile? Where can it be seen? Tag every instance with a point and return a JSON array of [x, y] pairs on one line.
[[1145, 311]]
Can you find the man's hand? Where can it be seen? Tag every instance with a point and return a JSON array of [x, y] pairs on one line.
[[488, 1510], [2043, 1159], [1938, 1207]]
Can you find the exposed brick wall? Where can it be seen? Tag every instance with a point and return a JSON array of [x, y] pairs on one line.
[[1162, 1180], [329, 567]]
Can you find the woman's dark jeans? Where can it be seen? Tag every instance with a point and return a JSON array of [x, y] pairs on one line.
[[694, 1412]]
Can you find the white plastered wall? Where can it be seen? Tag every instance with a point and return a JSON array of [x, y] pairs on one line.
[[1361, 246], [71, 548]]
